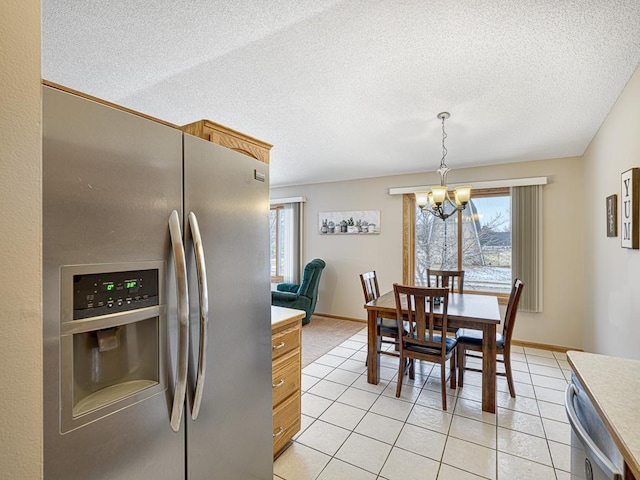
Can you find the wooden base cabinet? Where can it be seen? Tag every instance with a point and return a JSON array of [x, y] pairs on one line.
[[286, 344], [286, 422]]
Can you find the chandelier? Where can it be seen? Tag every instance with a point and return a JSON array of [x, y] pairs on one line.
[[435, 201]]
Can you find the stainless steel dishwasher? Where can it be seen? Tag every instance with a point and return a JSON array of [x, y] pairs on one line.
[[594, 455]]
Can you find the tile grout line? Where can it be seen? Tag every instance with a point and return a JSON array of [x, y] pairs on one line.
[[352, 431], [553, 466], [414, 403], [404, 423]]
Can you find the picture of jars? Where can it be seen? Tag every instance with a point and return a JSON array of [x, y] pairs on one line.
[[349, 223]]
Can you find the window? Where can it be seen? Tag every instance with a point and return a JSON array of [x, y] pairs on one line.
[[286, 238], [277, 243], [476, 240]]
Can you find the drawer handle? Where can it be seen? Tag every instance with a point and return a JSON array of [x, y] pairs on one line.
[[279, 384], [278, 347], [280, 431]]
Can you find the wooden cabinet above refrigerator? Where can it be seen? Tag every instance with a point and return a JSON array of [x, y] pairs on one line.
[[216, 133]]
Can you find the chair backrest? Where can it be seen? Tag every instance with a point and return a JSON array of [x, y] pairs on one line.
[[421, 321], [512, 310], [311, 277], [446, 279], [370, 287]]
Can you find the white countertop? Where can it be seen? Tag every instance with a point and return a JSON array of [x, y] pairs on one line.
[[613, 384], [281, 315]]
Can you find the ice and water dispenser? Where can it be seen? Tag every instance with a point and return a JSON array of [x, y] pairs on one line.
[[112, 339]]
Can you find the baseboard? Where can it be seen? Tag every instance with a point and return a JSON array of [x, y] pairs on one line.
[[541, 346], [340, 317], [544, 346]]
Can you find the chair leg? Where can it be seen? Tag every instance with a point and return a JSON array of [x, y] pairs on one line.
[[507, 366], [460, 355], [462, 364], [443, 382], [401, 367], [452, 370], [412, 369]]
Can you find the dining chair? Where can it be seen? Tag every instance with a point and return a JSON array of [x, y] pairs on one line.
[[446, 279], [423, 341], [387, 327], [469, 339]]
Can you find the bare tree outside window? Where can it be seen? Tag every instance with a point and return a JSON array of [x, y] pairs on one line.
[[482, 247], [436, 244]]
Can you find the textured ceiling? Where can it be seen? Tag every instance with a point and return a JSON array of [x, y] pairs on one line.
[[351, 88]]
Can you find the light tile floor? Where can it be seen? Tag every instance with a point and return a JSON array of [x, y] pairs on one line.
[[354, 430]]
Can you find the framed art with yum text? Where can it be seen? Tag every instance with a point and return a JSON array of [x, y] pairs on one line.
[[629, 211]]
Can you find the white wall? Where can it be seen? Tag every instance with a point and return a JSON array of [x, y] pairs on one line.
[[612, 273], [20, 237], [560, 323]]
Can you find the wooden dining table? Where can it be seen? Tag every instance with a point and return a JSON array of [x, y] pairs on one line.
[[468, 310]]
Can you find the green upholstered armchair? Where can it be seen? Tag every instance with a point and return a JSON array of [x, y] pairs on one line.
[[303, 296]]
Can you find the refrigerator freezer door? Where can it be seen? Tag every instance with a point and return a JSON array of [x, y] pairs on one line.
[[110, 183], [231, 437]]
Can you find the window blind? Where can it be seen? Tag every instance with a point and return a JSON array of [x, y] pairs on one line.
[[526, 232]]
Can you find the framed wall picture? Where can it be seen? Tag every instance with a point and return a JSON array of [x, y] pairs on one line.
[[629, 211], [612, 215], [349, 223]]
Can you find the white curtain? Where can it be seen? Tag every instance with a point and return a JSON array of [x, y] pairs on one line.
[[292, 241], [526, 231]]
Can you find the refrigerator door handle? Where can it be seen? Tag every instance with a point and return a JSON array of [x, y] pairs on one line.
[[592, 449], [183, 320], [204, 312]]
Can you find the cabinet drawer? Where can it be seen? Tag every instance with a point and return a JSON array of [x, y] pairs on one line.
[[285, 341], [286, 421], [286, 376]]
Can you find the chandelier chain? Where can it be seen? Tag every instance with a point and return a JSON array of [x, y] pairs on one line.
[[444, 149]]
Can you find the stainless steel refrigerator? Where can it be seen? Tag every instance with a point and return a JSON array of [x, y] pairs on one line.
[[156, 300]]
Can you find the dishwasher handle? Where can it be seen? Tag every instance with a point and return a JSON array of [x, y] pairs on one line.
[[591, 448]]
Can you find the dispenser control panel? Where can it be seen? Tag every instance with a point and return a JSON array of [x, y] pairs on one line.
[[103, 293]]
